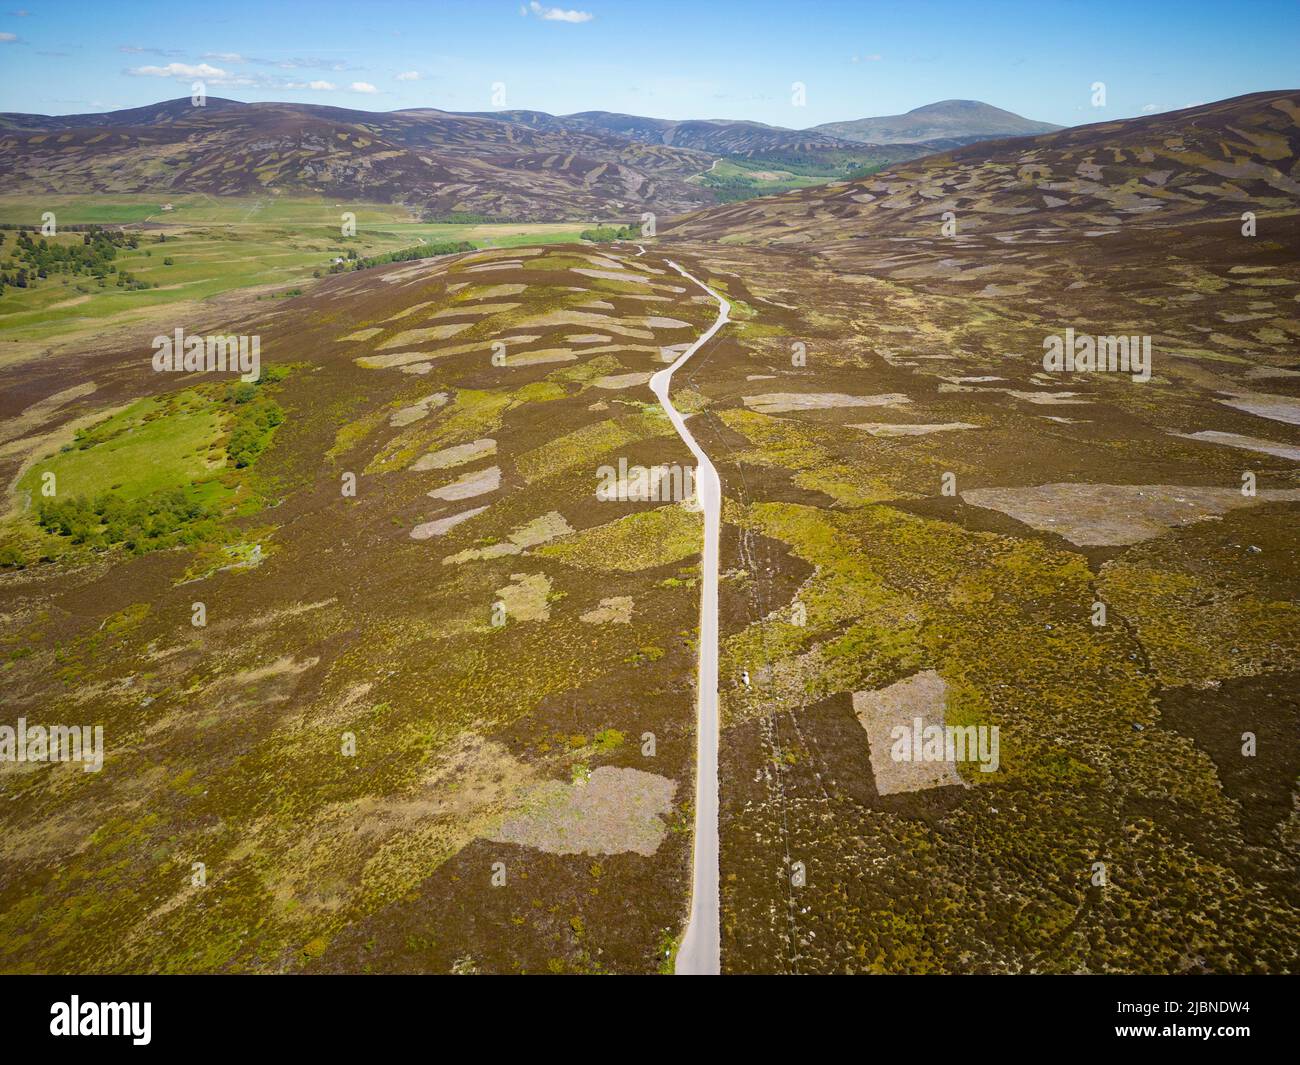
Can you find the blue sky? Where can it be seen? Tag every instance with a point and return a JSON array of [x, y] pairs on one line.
[[665, 58]]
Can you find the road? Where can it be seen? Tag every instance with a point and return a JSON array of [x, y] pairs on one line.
[[700, 953]]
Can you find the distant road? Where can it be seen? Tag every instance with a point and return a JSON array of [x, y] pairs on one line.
[[700, 953]]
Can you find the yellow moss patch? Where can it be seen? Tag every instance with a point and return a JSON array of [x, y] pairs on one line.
[[635, 542]]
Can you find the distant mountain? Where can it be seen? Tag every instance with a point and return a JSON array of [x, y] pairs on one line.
[[960, 120], [149, 114], [716, 137], [436, 160], [750, 140], [504, 164], [1200, 164]]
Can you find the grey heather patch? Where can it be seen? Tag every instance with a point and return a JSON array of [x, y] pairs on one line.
[[614, 811]]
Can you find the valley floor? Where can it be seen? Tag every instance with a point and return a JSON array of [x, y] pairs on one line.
[[440, 714]]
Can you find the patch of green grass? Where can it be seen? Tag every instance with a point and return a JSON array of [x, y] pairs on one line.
[[486, 235], [639, 541], [809, 451], [743, 179], [471, 414], [191, 208], [160, 473], [204, 263], [589, 443], [155, 444], [607, 740]]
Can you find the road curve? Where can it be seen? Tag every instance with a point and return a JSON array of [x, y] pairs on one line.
[[700, 953]]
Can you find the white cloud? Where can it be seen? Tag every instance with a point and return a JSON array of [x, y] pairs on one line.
[[1150, 109], [363, 86], [179, 70], [217, 77], [7, 37], [559, 14], [225, 57], [409, 75]]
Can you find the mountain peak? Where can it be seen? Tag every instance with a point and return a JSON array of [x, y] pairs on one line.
[[963, 121], [949, 105]]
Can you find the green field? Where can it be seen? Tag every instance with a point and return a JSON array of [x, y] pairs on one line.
[[192, 209], [152, 445], [770, 174], [486, 235], [161, 472], [742, 179], [216, 245], [201, 209], [204, 263]]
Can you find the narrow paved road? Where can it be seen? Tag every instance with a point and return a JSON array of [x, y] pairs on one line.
[[700, 952]]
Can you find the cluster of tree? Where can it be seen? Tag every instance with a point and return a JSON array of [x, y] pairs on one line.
[[32, 258], [815, 165], [256, 416], [161, 519], [603, 234], [865, 171], [288, 293], [420, 251], [731, 190], [464, 218], [731, 187], [80, 227]]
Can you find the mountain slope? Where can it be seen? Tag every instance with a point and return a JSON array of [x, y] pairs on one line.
[[965, 120], [149, 114], [1214, 161], [432, 159]]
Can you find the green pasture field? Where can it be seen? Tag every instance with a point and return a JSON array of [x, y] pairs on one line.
[[217, 245]]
